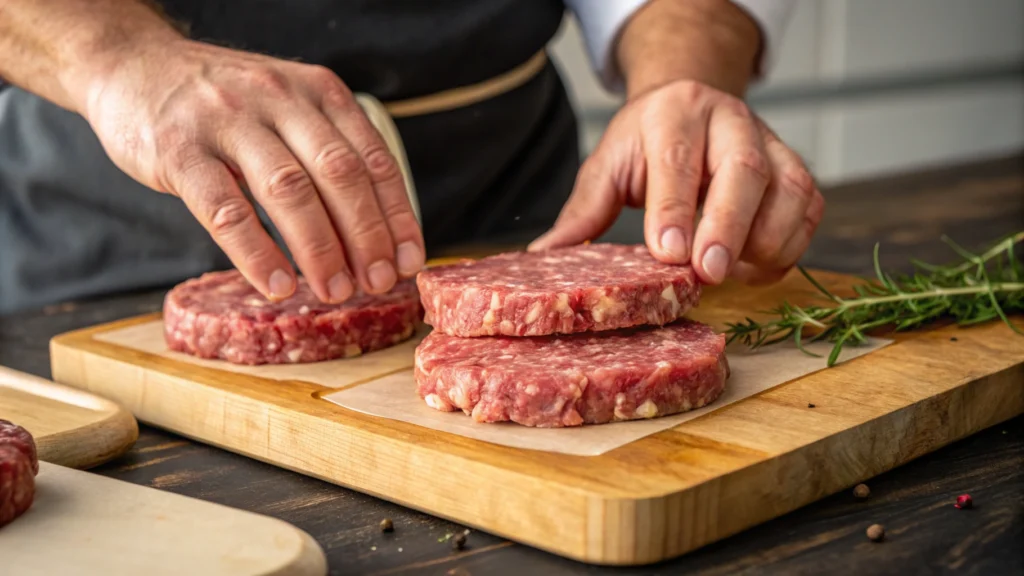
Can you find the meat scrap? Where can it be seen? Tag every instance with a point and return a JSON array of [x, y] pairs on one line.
[[586, 288], [220, 315], [18, 468]]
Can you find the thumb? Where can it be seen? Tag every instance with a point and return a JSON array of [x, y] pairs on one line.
[[591, 209]]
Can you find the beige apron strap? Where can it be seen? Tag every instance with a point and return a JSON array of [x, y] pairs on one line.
[[381, 114], [466, 95]]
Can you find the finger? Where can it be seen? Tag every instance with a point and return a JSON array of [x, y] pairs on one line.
[[211, 193], [783, 208], [387, 180], [740, 175], [281, 185], [674, 150], [798, 244], [346, 191], [791, 252], [590, 211]]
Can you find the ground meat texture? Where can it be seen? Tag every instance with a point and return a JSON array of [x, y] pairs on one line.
[[557, 381], [562, 291], [220, 315], [18, 468]]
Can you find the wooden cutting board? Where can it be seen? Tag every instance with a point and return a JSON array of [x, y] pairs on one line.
[[652, 499], [87, 524], [71, 427]]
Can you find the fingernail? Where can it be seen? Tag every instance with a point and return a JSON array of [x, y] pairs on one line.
[[410, 258], [716, 262], [382, 275], [281, 284], [674, 242], [340, 287]]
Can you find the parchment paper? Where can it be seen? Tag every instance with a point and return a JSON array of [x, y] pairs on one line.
[[393, 395], [149, 337]]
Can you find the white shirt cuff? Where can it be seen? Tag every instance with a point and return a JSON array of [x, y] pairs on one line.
[[600, 22], [771, 16]]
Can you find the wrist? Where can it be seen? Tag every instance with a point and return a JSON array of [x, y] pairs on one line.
[[713, 42], [91, 59]]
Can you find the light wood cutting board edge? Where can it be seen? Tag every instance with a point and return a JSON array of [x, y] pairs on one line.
[[96, 525], [112, 433], [671, 508]]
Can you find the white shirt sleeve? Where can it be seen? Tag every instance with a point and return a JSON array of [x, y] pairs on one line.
[[772, 16], [601, 21]]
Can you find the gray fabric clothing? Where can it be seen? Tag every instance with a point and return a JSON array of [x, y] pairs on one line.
[[73, 226]]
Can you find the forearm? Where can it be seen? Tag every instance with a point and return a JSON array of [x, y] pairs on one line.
[[56, 49], [712, 41]]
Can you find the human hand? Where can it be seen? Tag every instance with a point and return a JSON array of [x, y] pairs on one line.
[[197, 120], [678, 146]]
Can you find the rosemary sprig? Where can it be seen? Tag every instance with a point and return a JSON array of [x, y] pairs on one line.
[[978, 288]]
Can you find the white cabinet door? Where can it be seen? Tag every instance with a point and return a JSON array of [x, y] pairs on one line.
[[869, 137], [869, 38]]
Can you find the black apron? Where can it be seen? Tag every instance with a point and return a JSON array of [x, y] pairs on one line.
[[74, 226]]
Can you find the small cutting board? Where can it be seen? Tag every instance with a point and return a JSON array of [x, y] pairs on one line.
[[651, 499], [86, 524], [71, 427]]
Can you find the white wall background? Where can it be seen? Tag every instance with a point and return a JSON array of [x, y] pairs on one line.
[[864, 88]]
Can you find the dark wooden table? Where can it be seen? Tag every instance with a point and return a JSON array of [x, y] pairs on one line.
[[926, 534]]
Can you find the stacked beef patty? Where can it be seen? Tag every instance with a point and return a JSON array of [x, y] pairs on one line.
[[583, 335]]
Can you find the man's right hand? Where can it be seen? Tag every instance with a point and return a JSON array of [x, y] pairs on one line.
[[197, 120]]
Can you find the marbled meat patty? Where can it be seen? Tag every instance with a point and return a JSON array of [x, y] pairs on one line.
[[220, 315], [585, 288], [559, 381], [19, 465]]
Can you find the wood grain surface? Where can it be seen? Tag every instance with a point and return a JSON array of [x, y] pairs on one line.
[[650, 500], [90, 525], [925, 534], [71, 427]]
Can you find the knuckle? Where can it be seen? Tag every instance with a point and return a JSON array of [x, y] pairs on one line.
[[677, 205], [328, 83], [381, 164], [736, 107], [289, 185], [269, 79], [765, 246], [798, 182], [367, 234], [688, 90], [678, 157], [181, 161], [817, 209], [321, 248], [218, 97], [753, 160], [339, 165], [230, 215], [397, 207]]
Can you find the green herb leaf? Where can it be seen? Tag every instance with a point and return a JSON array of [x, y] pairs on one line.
[[976, 289]]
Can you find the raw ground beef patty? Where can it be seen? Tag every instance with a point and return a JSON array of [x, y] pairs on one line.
[[562, 291], [18, 468], [220, 315], [559, 381]]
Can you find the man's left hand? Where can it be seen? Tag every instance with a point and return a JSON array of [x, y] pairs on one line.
[[686, 144]]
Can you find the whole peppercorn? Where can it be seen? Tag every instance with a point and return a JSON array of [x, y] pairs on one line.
[[861, 491], [386, 525], [459, 542], [876, 532], [964, 501]]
